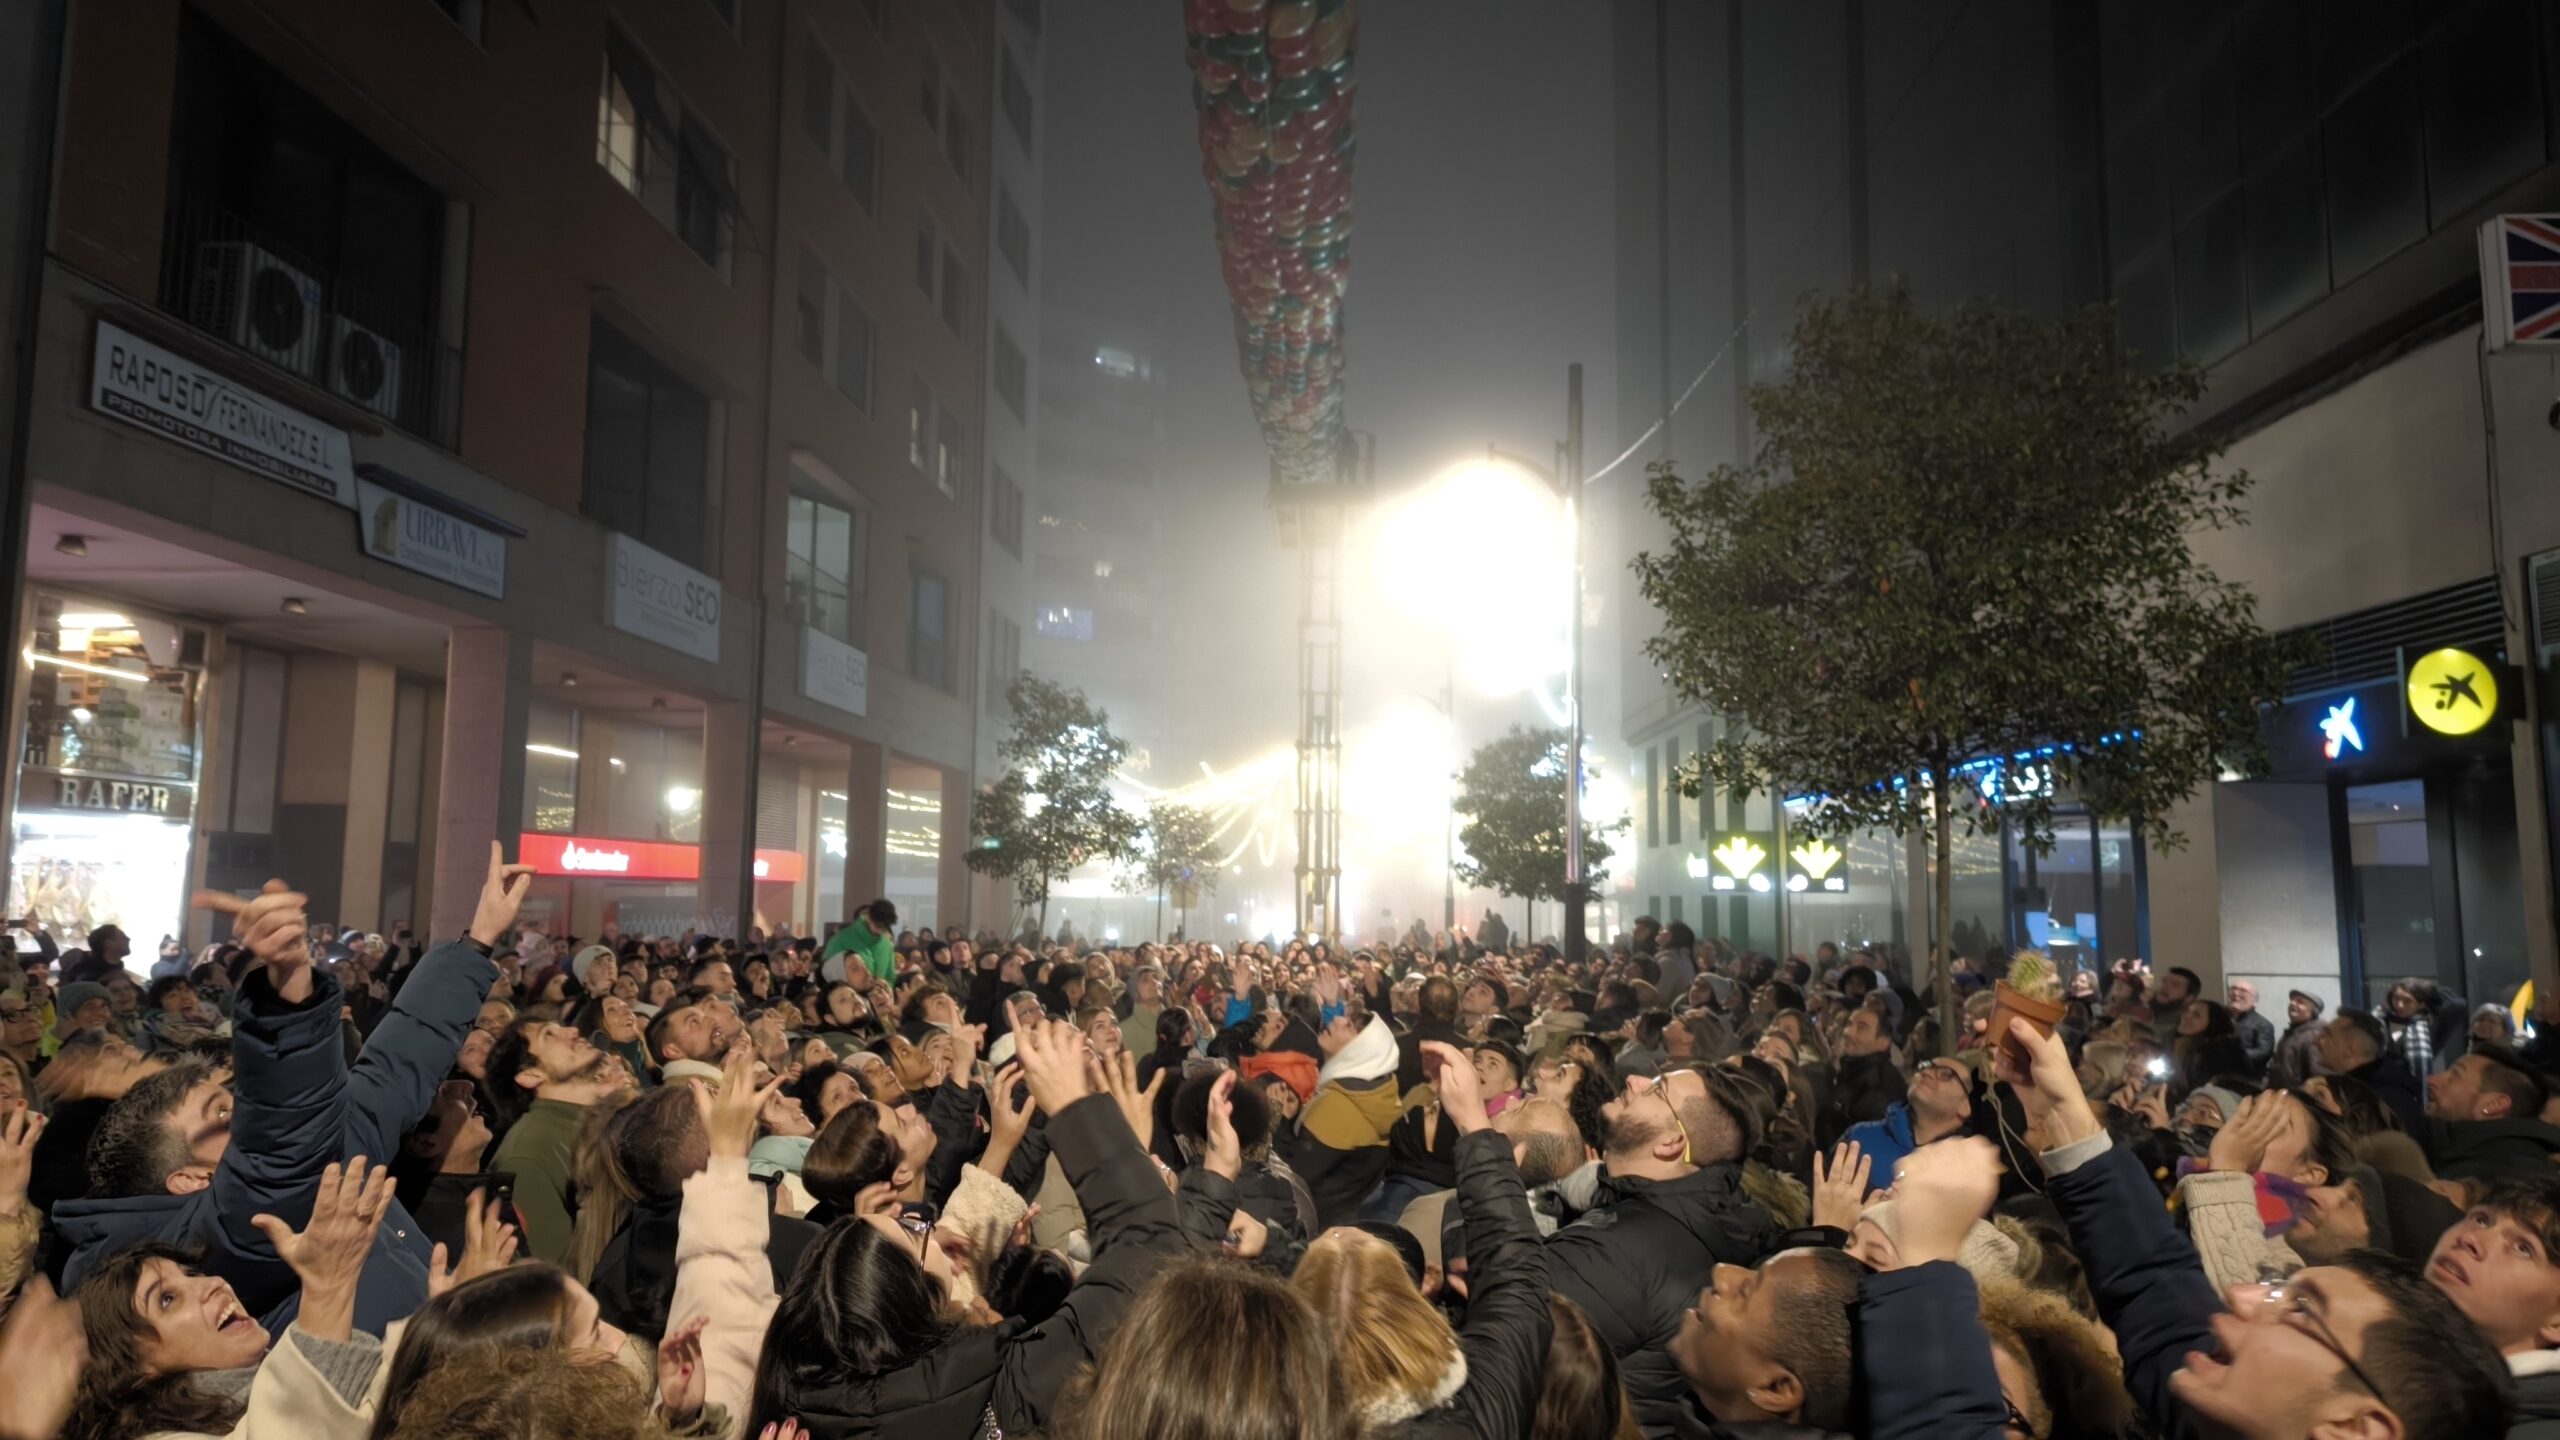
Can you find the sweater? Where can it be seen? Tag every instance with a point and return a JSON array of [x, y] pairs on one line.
[[537, 1152], [305, 1389]]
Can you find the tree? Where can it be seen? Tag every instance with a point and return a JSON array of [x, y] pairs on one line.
[[1052, 809], [1963, 550], [1511, 796], [1176, 851]]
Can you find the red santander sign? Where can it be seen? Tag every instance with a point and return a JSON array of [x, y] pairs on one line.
[[582, 857]]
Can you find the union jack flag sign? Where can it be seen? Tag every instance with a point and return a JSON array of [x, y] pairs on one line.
[[2520, 280]]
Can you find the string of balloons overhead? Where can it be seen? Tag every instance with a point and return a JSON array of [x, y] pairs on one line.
[[1272, 80]]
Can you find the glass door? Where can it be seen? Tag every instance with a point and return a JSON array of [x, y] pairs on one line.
[[2391, 884]]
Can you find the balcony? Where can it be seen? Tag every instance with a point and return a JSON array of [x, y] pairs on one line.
[[233, 280]]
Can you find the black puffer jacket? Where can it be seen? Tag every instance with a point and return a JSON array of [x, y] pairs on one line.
[[1636, 1262], [1508, 1322], [1013, 1372], [2537, 1415]]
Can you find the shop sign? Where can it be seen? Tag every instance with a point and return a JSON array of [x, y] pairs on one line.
[[660, 599], [437, 545], [1742, 862], [1817, 864], [581, 857], [110, 794], [834, 673], [162, 391], [2453, 692], [2340, 735]]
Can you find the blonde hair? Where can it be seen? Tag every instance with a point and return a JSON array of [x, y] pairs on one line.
[[1397, 1354], [1278, 1385]]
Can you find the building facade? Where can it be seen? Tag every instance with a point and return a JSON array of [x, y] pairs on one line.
[[2293, 206], [453, 422]]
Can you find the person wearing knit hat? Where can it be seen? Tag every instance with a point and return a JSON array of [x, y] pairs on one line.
[[1990, 1252], [81, 1005]]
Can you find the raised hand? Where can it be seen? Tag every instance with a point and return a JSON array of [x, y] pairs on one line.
[[1840, 1189], [1939, 1191], [1052, 1053], [1119, 1076], [2241, 1143], [1008, 1120], [1461, 1093], [273, 929], [18, 1134], [681, 1378], [729, 1120], [1246, 1236], [1226, 1150], [501, 896], [2057, 1110], [328, 1254], [488, 1244]]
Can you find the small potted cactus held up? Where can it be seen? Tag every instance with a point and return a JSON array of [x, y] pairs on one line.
[[2033, 993]]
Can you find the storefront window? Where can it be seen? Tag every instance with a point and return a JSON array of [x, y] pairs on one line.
[[1866, 911], [107, 774], [2058, 894], [2394, 894], [551, 769], [915, 844], [833, 848], [653, 789], [2119, 905]]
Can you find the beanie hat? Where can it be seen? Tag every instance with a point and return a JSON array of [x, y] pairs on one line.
[[585, 960], [68, 1000], [1986, 1254], [2401, 1215], [2226, 1099]]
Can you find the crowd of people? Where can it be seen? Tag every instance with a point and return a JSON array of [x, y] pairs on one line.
[[917, 1186]]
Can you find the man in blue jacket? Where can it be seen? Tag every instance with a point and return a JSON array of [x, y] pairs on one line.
[[1937, 1105], [2362, 1347], [164, 1162]]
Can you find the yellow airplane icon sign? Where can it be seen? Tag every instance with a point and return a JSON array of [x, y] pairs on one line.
[[2453, 692], [1816, 859], [1741, 858]]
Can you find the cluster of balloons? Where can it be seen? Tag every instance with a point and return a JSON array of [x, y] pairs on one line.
[[1272, 80]]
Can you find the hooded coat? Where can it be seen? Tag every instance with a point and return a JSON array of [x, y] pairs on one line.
[[297, 1107], [1342, 1134]]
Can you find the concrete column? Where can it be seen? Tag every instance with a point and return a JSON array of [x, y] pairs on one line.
[[866, 830], [2186, 896], [375, 694], [951, 886], [2273, 843], [488, 702], [726, 896], [430, 783]]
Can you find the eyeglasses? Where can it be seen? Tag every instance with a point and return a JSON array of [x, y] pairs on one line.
[[921, 1229], [1657, 1086], [2016, 1419], [2290, 1304]]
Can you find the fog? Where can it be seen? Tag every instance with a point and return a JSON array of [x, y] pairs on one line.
[[1480, 266]]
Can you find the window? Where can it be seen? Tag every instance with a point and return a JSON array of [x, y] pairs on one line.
[[1013, 236], [649, 436], [929, 630], [1015, 94], [948, 459], [920, 428], [955, 293], [1004, 511], [1004, 657], [928, 257], [823, 578], [1671, 790], [959, 138], [285, 222], [834, 331], [1653, 796], [1065, 622], [1012, 378], [841, 129], [663, 154]]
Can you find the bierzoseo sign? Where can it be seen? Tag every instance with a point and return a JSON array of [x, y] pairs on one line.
[[108, 794], [834, 673], [660, 599], [160, 390], [425, 539]]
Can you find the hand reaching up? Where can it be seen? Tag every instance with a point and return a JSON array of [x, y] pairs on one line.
[[1052, 1054], [729, 1120], [488, 1243], [1840, 1189], [1226, 1150], [501, 896], [1119, 1077], [1939, 1191], [18, 1134], [2048, 1090], [328, 1254], [682, 1381], [274, 929], [1008, 1119], [1461, 1092]]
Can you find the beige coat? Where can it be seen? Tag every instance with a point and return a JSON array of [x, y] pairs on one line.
[[291, 1400]]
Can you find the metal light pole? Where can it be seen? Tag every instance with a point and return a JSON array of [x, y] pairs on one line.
[[1569, 477]]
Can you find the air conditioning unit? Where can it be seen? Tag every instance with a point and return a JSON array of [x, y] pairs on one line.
[[261, 304], [364, 366]]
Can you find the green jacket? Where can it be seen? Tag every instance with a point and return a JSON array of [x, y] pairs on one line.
[[537, 1151], [879, 953]]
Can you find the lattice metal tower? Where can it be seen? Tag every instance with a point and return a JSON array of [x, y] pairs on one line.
[[1314, 520]]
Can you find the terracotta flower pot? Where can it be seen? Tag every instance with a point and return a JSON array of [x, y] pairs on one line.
[[2042, 1014]]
